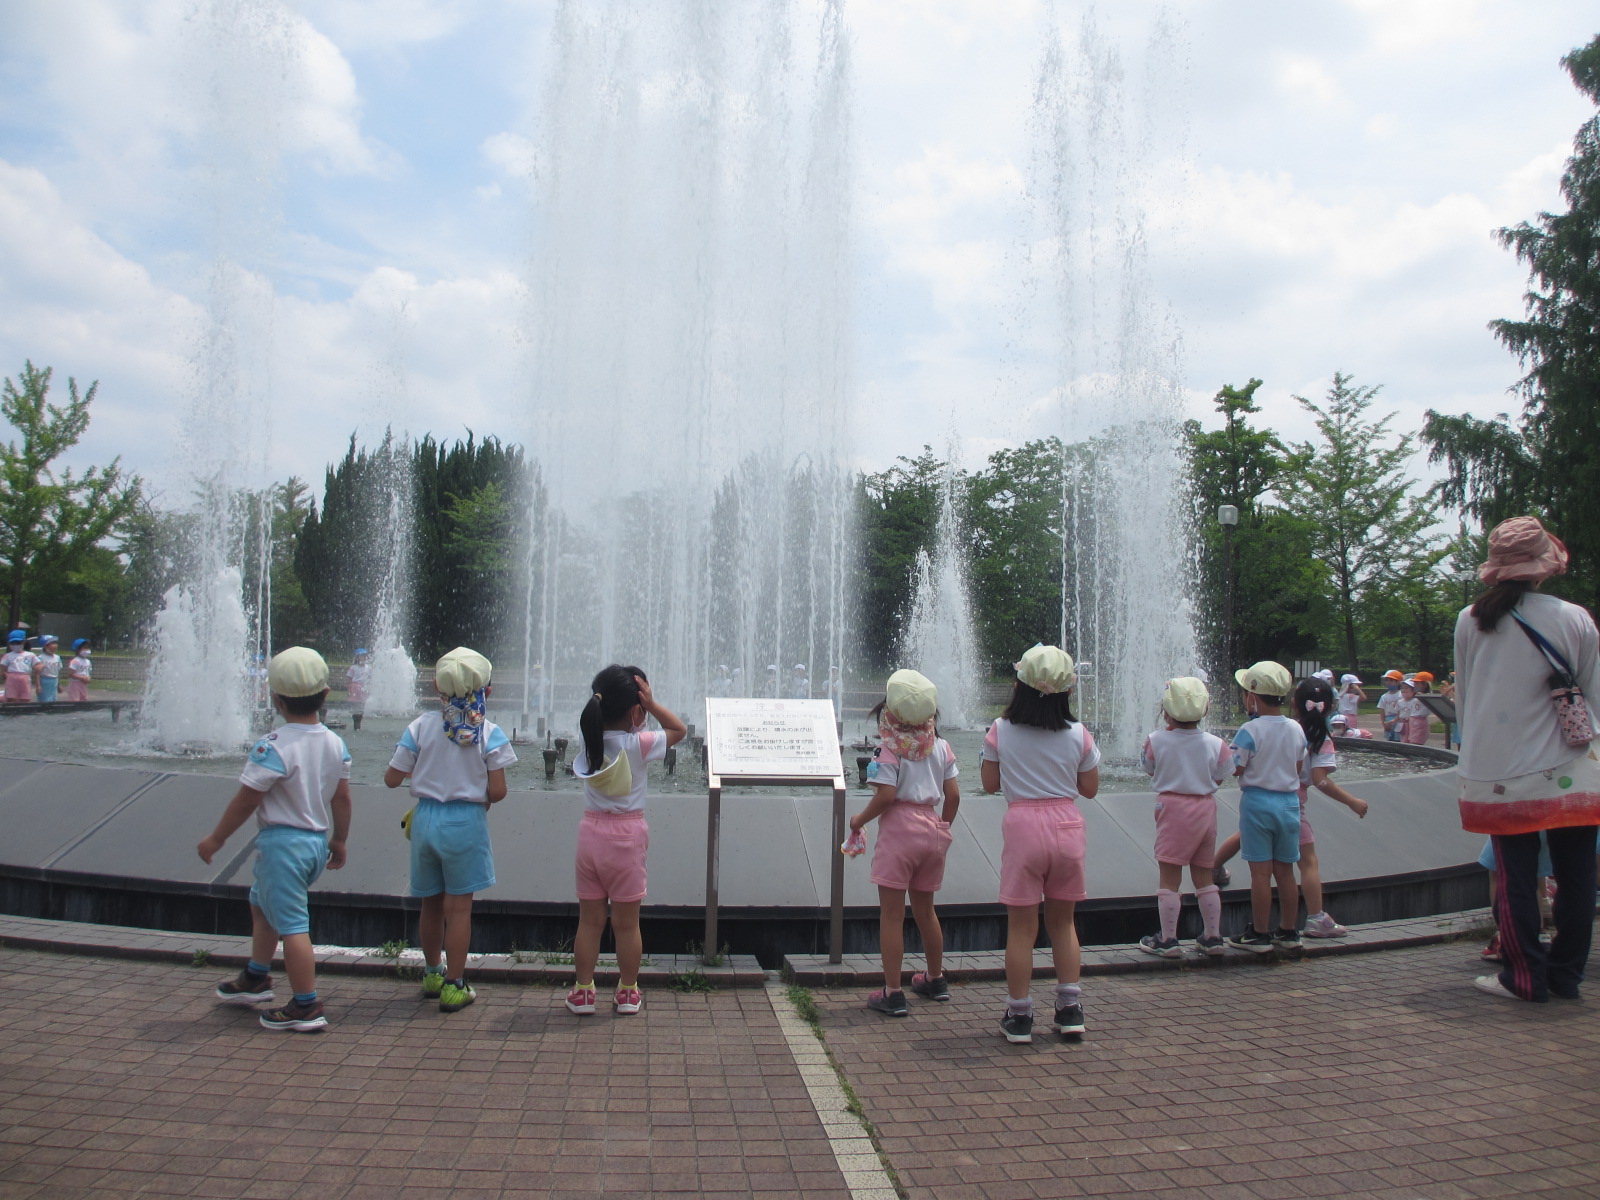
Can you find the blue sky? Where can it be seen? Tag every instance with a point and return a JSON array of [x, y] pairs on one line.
[[1319, 183]]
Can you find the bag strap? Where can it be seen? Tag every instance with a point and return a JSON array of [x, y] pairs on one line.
[[1551, 654]]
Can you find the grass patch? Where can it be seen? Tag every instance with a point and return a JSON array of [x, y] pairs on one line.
[[201, 958], [393, 948], [805, 1006], [697, 950], [690, 981]]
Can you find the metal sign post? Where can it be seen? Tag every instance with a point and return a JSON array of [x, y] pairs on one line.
[[772, 743]]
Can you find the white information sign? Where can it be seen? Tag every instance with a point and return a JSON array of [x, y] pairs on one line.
[[772, 737]]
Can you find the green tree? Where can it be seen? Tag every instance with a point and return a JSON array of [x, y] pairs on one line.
[[1016, 513], [1278, 583], [1549, 462], [897, 512], [48, 522], [1369, 525]]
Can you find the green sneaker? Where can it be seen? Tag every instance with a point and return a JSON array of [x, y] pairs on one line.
[[453, 997], [432, 984]]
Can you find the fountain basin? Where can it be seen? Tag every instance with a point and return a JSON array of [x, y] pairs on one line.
[[116, 846]]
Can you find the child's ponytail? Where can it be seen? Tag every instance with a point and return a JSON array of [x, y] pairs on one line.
[[613, 693], [1313, 702]]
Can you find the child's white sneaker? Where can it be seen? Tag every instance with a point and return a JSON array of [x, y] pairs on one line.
[[1323, 926]]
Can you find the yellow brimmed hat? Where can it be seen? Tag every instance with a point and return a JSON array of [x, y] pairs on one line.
[[910, 697], [461, 672], [1265, 679], [1185, 699], [1046, 669], [297, 671]]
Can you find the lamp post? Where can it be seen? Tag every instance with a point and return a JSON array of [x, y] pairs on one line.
[[1227, 517]]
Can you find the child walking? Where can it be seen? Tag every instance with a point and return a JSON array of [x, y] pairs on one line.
[[613, 839], [913, 770], [79, 671], [1267, 754], [49, 668], [1186, 765], [1312, 703], [456, 761], [297, 784], [1043, 759]]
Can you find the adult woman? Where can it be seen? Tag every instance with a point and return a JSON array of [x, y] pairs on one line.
[[1518, 774]]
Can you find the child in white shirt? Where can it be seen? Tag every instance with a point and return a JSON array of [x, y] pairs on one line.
[[1043, 759], [913, 771], [613, 839], [1186, 765], [1267, 754], [297, 785], [456, 761], [49, 669]]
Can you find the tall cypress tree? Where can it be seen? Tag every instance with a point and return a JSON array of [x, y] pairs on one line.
[[1548, 461]]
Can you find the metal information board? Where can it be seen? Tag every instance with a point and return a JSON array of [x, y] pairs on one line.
[[784, 743]]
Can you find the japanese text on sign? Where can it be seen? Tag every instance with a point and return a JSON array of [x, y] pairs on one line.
[[771, 737]]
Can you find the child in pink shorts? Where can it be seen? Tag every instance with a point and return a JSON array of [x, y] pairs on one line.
[[1186, 765], [913, 770], [613, 838], [1043, 759]]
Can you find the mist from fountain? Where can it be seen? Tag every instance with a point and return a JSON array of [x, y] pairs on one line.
[[690, 366], [939, 639], [198, 689], [1127, 551], [392, 686]]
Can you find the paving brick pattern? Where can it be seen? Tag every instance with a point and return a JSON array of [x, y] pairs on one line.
[[1378, 1075], [122, 1078]]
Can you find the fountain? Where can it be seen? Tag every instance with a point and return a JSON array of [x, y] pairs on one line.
[[690, 378], [1127, 554], [938, 639]]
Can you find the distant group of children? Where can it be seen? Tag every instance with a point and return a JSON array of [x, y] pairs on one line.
[[1037, 754], [36, 676]]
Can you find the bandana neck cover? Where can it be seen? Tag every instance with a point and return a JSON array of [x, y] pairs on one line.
[[464, 717], [909, 742]]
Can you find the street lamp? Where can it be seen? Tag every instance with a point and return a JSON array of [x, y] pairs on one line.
[[1227, 517]]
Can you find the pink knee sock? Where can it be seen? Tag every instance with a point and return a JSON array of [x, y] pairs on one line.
[[1210, 898], [1167, 904]]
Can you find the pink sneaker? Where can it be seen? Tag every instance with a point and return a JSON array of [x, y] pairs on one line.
[[581, 1001], [1321, 925], [627, 1001]]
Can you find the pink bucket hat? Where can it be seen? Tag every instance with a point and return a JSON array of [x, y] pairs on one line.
[[1522, 548]]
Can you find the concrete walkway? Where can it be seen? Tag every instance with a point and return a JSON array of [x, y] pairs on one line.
[[1379, 1074]]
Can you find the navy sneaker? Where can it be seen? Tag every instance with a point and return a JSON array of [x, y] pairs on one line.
[[1256, 943], [890, 1004], [1017, 1027], [1069, 1020]]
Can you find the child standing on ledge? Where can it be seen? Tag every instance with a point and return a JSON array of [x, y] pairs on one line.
[[613, 839], [20, 664], [913, 770], [49, 668], [1268, 752], [456, 761], [297, 784], [79, 671], [1185, 765], [1043, 759]]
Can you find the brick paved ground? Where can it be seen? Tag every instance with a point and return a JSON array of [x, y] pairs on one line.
[[1381, 1075], [122, 1078]]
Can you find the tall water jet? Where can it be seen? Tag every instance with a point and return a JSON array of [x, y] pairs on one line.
[[392, 686], [938, 639], [690, 362], [1126, 565], [207, 639]]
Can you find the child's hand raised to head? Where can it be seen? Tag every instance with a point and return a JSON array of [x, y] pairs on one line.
[[646, 697]]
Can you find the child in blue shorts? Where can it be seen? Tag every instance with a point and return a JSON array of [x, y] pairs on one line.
[[456, 761], [1267, 755], [297, 783]]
